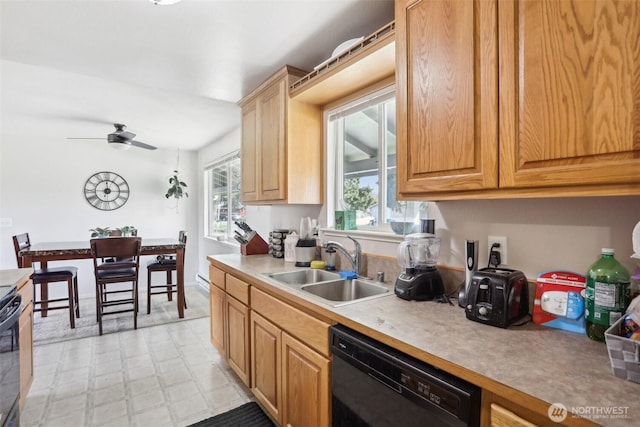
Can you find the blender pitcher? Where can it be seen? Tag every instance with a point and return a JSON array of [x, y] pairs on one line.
[[419, 251]]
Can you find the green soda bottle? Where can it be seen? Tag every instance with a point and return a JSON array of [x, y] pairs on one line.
[[607, 294]]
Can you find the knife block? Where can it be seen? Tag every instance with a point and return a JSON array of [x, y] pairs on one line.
[[256, 246]]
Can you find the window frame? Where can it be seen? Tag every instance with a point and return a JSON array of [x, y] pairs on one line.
[[228, 162], [334, 168]]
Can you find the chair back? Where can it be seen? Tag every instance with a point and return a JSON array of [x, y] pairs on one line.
[[116, 247], [182, 236], [21, 242]]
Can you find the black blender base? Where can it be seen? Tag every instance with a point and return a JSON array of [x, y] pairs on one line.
[[419, 285]]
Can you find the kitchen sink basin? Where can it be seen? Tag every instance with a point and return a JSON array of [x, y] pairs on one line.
[[304, 277], [342, 291]]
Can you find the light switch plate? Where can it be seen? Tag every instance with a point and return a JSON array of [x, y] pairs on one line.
[[6, 222]]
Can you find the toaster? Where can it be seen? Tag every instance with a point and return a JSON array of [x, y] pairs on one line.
[[497, 296]]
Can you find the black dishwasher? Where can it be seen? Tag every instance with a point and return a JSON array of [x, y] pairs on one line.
[[376, 385]]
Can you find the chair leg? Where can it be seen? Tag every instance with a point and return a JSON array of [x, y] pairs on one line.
[[44, 296], [76, 301], [148, 291], [169, 286], [135, 305], [72, 315], [99, 307]]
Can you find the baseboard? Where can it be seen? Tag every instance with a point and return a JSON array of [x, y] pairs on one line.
[[202, 281]]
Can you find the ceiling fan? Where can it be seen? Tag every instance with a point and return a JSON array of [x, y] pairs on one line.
[[122, 139]]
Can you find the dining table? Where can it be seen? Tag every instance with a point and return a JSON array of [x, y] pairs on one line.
[[44, 252]]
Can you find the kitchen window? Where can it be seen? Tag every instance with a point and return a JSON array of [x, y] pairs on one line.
[[361, 162], [223, 203]]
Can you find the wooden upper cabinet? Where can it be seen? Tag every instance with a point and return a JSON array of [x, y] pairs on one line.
[[570, 94], [446, 89], [272, 175], [281, 150], [249, 153], [517, 98]]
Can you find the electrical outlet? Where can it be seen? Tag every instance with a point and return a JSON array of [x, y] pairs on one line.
[[503, 247]]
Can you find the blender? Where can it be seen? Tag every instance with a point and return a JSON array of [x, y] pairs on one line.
[[421, 279]]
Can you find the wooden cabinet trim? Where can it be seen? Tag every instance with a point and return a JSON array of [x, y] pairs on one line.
[[26, 349]]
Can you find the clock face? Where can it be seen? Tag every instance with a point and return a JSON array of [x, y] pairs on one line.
[[106, 191]]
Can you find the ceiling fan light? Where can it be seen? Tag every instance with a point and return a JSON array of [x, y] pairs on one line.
[[165, 2], [120, 145]]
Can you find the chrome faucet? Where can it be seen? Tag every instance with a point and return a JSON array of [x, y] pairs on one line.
[[355, 258]]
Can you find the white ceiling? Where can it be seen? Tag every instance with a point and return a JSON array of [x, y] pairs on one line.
[[173, 74]]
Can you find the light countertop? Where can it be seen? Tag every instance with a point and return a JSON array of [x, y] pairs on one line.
[[14, 276], [548, 364]]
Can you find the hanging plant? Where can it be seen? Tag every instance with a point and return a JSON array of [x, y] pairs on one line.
[[176, 187]]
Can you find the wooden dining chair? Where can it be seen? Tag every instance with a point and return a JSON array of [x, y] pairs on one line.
[[166, 264], [126, 249], [42, 277]]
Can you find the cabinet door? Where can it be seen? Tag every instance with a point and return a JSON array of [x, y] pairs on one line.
[[249, 153], [238, 344], [305, 385], [569, 93], [217, 305], [265, 364], [272, 145], [26, 350], [446, 94]]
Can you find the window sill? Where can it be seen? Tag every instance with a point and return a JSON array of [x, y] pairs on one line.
[[377, 236], [221, 241]]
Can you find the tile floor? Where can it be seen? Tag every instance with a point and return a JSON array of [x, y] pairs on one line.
[[167, 375]]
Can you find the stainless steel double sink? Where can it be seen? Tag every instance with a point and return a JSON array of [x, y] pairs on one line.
[[330, 287]]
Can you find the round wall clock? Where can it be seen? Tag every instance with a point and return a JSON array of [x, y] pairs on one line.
[[106, 191]]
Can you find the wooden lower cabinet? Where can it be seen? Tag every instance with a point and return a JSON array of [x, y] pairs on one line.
[[238, 343], [290, 375], [229, 305], [266, 345], [217, 299], [518, 410], [26, 339], [305, 385], [501, 417]]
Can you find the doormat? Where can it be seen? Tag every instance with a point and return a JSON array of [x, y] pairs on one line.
[[249, 414]]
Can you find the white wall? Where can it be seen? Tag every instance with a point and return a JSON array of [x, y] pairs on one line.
[[41, 192], [220, 148]]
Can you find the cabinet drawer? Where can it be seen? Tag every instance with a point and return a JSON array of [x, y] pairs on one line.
[[216, 277], [306, 328], [501, 417], [238, 289]]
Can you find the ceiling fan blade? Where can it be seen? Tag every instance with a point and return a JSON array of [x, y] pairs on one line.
[[87, 138], [126, 134], [142, 145]]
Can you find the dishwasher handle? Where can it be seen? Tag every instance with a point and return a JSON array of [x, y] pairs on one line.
[[386, 381]]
